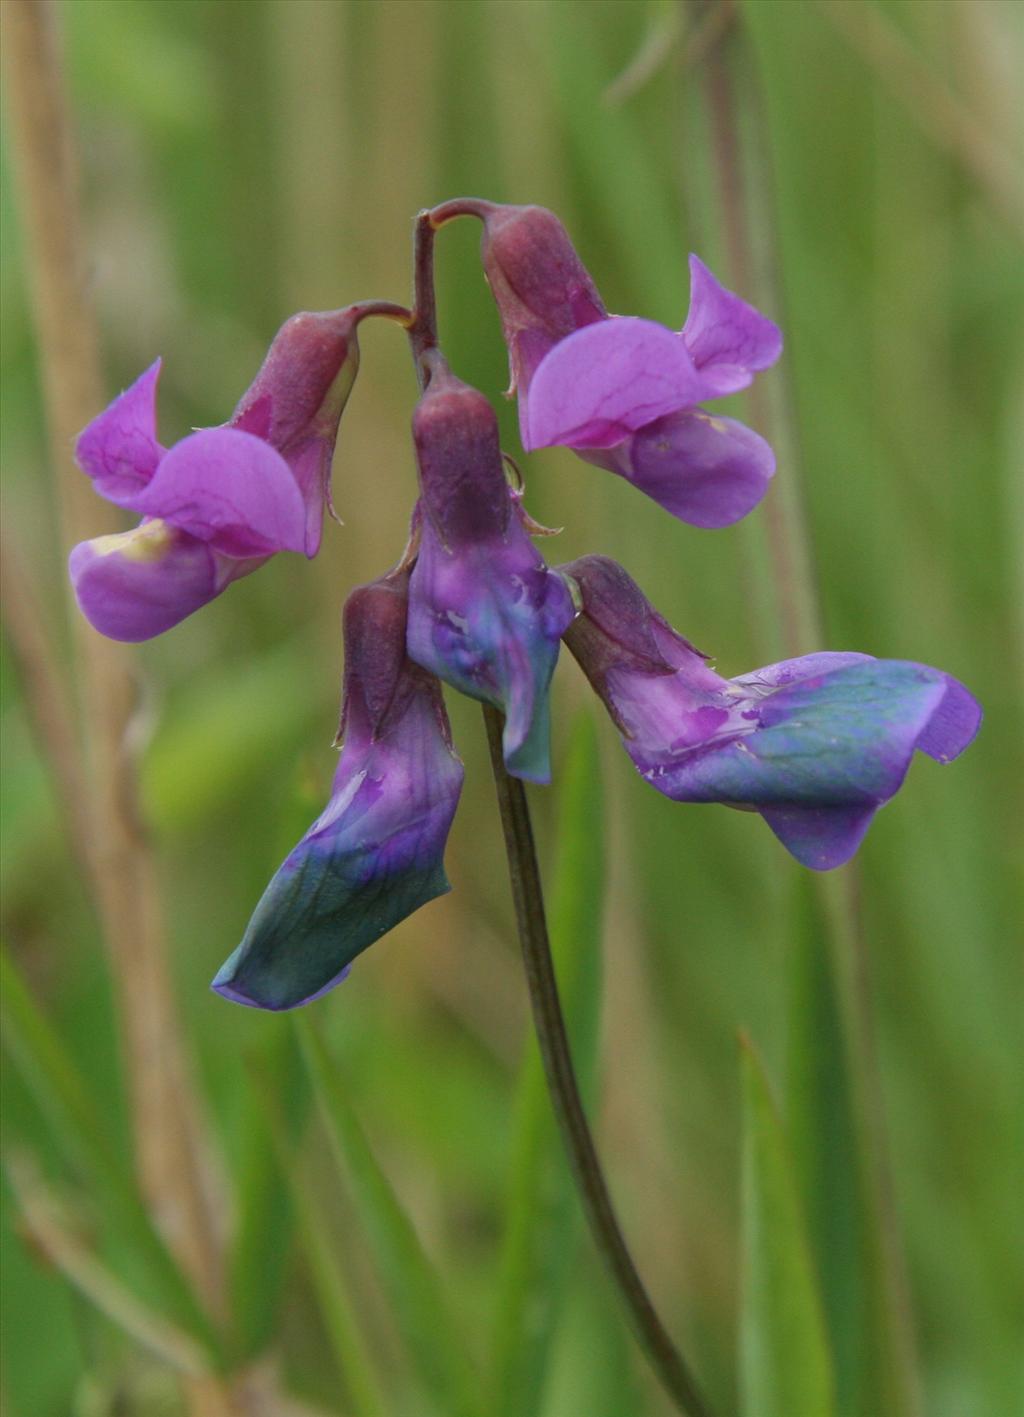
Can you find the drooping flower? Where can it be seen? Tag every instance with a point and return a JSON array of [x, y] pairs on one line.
[[376, 853], [218, 503], [622, 392], [815, 744], [485, 612]]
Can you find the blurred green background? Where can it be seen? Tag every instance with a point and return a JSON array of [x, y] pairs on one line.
[[241, 161]]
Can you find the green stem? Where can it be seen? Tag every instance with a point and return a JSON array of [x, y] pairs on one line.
[[549, 1022]]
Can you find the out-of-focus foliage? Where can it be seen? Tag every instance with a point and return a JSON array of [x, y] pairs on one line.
[[784, 1361], [242, 161]]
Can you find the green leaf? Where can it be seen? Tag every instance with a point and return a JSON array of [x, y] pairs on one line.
[[542, 1210], [406, 1272], [785, 1364], [81, 1133]]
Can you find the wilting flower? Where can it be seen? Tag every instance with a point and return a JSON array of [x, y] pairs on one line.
[[375, 854], [485, 613], [815, 744], [623, 392], [218, 503]]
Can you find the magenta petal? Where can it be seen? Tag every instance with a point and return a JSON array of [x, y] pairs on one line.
[[599, 384], [953, 725], [119, 449], [137, 584], [728, 339], [706, 471], [230, 489]]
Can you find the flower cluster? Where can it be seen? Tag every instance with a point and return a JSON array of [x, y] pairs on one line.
[[815, 745]]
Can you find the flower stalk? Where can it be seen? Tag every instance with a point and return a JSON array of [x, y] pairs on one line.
[[549, 1021], [422, 327]]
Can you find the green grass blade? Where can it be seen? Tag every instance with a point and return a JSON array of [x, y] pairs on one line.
[[611, 153], [341, 1322], [55, 1237], [785, 1364], [409, 1279], [80, 1132], [263, 1196], [594, 1370], [540, 1224], [888, 1365], [820, 1131]]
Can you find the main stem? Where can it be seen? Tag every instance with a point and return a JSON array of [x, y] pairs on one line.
[[528, 897], [549, 1022]]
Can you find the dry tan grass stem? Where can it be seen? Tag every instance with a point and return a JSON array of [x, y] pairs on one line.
[[104, 791]]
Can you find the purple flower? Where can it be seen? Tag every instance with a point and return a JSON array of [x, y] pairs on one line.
[[623, 392], [218, 503], [815, 744], [485, 612], [375, 854]]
